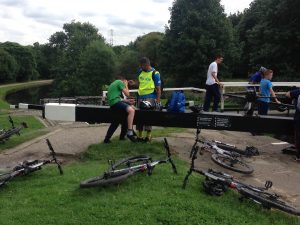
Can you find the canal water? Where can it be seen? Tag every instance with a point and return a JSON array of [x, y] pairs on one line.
[[30, 95]]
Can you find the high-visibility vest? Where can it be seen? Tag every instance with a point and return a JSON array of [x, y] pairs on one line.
[[146, 83]]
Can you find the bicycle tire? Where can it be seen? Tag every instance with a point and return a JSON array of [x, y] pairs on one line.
[[267, 202], [4, 178], [224, 161], [101, 181]]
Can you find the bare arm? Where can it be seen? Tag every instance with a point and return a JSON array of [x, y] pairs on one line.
[[274, 95], [214, 75], [126, 90], [158, 93], [288, 94]]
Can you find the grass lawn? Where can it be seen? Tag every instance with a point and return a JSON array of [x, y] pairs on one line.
[[33, 130], [45, 197], [9, 88]]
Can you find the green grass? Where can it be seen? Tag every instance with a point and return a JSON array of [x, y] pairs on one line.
[[33, 130], [47, 198], [9, 88]]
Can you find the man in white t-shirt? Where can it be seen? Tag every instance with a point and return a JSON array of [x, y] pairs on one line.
[[212, 85]]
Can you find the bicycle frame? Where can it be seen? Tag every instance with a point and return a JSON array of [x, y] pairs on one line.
[[148, 164], [26, 168]]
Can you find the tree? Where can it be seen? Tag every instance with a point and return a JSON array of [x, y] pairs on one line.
[[149, 45], [97, 65], [25, 60], [68, 46], [198, 30], [270, 30], [8, 67]]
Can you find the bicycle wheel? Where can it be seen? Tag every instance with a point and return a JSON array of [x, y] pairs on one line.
[[232, 163], [4, 178], [268, 201], [103, 181]]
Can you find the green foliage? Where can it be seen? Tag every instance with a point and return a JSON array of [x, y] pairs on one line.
[[127, 63], [149, 45], [25, 60], [8, 67], [198, 30], [270, 33], [82, 60], [97, 64]]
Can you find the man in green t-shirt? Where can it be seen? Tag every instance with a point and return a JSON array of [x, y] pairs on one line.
[[115, 90]]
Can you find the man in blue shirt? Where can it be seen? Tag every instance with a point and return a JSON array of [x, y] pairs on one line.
[[258, 76], [149, 84], [266, 91], [295, 95]]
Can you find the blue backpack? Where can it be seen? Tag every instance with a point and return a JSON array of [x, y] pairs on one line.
[[177, 102]]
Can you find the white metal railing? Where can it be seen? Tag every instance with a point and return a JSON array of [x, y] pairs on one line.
[[223, 91], [104, 93]]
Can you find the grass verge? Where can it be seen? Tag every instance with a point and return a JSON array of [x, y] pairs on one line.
[[48, 198], [34, 130]]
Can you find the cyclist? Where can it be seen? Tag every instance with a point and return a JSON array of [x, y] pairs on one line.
[[295, 94], [115, 90], [149, 91]]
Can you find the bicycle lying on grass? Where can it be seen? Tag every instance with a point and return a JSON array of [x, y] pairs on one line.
[[226, 155], [125, 168], [5, 134], [216, 183], [27, 167]]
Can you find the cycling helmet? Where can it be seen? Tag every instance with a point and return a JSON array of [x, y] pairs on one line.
[[146, 105]]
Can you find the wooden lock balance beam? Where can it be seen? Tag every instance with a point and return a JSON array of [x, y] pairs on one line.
[[204, 120]]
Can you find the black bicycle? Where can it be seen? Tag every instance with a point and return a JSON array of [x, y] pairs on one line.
[[120, 171], [216, 183], [5, 134], [27, 167], [225, 155]]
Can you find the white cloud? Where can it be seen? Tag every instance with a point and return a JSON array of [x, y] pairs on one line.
[[28, 21]]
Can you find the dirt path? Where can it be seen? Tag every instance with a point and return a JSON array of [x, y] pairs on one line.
[[271, 164], [68, 140]]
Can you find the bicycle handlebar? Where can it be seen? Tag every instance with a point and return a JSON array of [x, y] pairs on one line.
[[53, 154], [167, 147]]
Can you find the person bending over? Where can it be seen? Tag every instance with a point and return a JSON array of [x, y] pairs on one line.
[[295, 95], [212, 85], [266, 91], [115, 91]]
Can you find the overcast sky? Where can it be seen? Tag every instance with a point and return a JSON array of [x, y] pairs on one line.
[[28, 21]]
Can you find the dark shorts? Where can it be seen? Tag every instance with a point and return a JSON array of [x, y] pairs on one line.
[[263, 108], [121, 106]]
